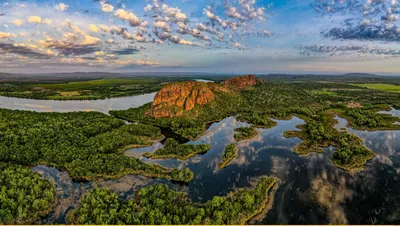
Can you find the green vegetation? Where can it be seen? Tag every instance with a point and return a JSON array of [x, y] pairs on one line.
[[364, 119], [245, 133], [229, 154], [282, 99], [173, 149], [157, 204], [323, 92], [82, 90], [88, 145], [318, 133], [382, 87], [24, 196], [193, 123], [261, 121]]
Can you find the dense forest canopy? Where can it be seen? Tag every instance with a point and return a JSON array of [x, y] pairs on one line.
[[157, 204], [24, 196], [87, 144]]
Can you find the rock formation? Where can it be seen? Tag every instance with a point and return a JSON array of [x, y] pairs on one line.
[[240, 83], [175, 99]]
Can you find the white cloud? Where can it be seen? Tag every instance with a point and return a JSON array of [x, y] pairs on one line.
[[4, 35], [148, 8], [20, 5], [89, 40], [17, 22], [184, 42], [105, 7], [93, 28], [163, 25], [127, 16], [174, 13], [61, 7], [39, 20]]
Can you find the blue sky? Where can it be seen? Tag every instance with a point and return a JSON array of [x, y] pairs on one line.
[[232, 36]]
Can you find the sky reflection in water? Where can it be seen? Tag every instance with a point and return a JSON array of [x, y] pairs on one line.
[[311, 190]]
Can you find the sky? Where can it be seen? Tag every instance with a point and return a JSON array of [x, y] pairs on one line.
[[215, 36]]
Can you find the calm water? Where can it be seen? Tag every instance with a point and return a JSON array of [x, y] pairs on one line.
[[203, 80], [311, 190], [393, 112], [75, 105]]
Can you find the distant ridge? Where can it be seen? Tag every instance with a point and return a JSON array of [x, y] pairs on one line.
[[361, 75]]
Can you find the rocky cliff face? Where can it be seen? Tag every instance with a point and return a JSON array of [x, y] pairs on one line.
[[240, 83], [175, 99]]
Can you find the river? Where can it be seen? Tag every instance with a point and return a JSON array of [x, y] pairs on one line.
[[104, 106]]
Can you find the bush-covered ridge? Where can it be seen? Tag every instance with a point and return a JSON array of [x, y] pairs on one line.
[[157, 204]]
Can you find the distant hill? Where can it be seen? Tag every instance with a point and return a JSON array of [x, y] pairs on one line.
[[361, 75], [348, 75]]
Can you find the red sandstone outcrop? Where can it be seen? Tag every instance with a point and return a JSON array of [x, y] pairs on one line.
[[240, 83], [177, 98], [173, 99]]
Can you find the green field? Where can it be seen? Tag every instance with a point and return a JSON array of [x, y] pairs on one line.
[[82, 90], [381, 87], [95, 83]]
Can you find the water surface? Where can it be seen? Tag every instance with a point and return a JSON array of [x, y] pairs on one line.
[[104, 106]]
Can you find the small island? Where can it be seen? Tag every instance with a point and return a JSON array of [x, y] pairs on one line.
[[229, 154], [173, 149], [319, 133], [244, 133], [176, 208], [260, 121]]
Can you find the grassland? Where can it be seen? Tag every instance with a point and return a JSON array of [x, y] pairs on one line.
[[94, 83], [381, 87], [82, 90]]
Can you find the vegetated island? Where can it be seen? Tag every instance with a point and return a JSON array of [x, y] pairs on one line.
[[157, 204], [258, 120], [172, 149], [88, 145], [24, 196], [318, 132], [244, 133], [229, 154]]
